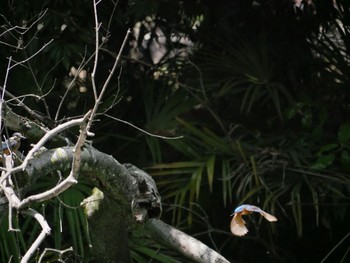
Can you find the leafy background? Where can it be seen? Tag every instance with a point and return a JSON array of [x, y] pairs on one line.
[[261, 100]]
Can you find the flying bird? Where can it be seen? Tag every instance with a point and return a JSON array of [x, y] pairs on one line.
[[238, 227]]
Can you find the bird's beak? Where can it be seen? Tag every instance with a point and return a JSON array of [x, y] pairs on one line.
[[23, 137]]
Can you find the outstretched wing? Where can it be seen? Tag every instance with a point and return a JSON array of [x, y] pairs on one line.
[[238, 227], [253, 208], [268, 216]]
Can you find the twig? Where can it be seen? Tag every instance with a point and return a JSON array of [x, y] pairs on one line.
[[24, 28], [116, 100], [7, 74], [81, 66], [46, 106], [97, 29], [141, 130], [4, 90], [99, 99], [205, 101], [111, 16], [335, 247], [29, 58], [60, 252]]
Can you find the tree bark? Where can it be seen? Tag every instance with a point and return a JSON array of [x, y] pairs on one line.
[[109, 233], [178, 241], [126, 189]]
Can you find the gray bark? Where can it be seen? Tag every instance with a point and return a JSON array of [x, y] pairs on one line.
[[128, 192], [184, 244]]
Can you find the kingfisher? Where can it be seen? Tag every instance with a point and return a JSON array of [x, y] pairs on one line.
[[238, 227], [12, 144]]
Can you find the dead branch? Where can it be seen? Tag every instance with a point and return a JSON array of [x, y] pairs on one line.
[[44, 232], [184, 244]]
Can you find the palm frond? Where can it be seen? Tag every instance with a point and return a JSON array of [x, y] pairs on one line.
[[245, 68]]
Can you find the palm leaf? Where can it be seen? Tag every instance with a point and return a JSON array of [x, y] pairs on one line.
[[244, 67]]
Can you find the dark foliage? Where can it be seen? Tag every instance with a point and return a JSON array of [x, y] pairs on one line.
[[258, 89]]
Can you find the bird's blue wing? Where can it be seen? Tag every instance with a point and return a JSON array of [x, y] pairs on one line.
[[253, 208], [250, 208], [241, 208], [8, 143], [3, 145]]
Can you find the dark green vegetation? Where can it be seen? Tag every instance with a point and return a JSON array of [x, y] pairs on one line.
[[262, 103]]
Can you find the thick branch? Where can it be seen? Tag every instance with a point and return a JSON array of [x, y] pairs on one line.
[[132, 197], [101, 169], [182, 243], [127, 190]]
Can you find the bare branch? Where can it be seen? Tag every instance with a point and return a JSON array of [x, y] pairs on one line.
[[39, 87], [50, 134], [111, 16], [6, 75], [75, 77], [44, 232], [22, 30], [97, 29], [41, 143], [9, 192], [99, 99], [184, 244], [70, 180], [13, 203], [3, 91], [142, 130], [29, 58], [60, 252]]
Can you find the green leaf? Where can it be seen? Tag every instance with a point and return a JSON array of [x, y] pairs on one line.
[[344, 133], [323, 161], [195, 184], [293, 110], [226, 182], [345, 160], [328, 147], [296, 208], [306, 120], [254, 170], [290, 113], [207, 137], [210, 171], [176, 165]]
